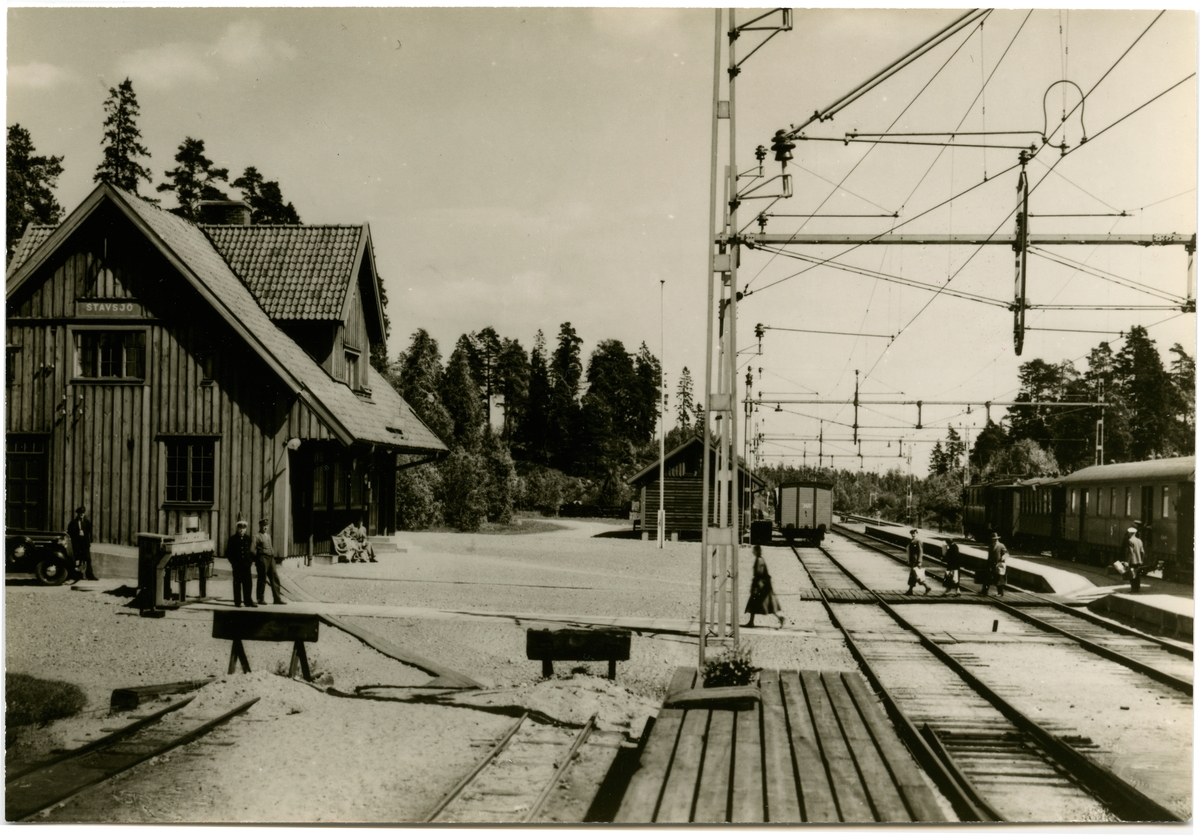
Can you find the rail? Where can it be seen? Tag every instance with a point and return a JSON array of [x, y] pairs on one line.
[[45, 784], [1122, 798]]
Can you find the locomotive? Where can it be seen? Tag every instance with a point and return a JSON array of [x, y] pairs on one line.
[[1084, 516]]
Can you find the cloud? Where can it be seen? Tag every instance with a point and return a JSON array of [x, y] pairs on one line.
[[242, 44], [37, 76]]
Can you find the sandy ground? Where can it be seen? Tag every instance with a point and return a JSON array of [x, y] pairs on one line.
[[306, 753]]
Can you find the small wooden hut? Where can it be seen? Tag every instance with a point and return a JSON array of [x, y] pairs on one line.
[[682, 496]]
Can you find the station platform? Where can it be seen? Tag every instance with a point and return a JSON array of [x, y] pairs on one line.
[[1170, 614], [813, 747]]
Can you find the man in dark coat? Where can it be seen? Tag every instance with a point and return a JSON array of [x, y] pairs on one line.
[[240, 553], [997, 567], [916, 564], [80, 531]]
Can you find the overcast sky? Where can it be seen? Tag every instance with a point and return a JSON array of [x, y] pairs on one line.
[[524, 167]]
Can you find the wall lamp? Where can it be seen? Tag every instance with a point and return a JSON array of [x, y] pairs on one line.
[[292, 443]]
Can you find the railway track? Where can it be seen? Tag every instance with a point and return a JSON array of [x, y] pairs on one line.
[[515, 778], [33, 789], [992, 760], [1164, 661]]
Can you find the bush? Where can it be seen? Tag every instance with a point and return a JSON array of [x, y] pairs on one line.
[[732, 668], [417, 504], [543, 489], [37, 701], [463, 494]]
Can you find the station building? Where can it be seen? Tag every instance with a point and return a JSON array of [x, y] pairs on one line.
[[164, 373], [682, 494]]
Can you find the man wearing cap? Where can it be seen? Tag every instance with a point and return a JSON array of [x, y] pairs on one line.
[[80, 531], [916, 570], [1133, 553], [997, 567], [240, 553], [264, 558]]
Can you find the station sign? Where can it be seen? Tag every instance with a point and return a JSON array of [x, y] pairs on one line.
[[108, 308]]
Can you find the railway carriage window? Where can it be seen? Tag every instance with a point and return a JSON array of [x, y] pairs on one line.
[[1072, 499], [1112, 501], [1128, 501], [1166, 504]]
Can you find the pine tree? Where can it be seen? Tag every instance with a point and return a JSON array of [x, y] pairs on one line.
[[512, 383], [1183, 383], [566, 370], [193, 179], [483, 354], [1145, 387], [460, 396], [535, 428], [685, 409], [122, 141], [419, 381], [648, 402], [265, 199], [30, 179]]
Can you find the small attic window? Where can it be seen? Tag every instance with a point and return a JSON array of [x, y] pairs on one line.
[[396, 431]]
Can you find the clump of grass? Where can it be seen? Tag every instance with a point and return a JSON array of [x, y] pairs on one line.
[[38, 701], [732, 668]]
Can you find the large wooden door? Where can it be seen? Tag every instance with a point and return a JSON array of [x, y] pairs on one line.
[[25, 485]]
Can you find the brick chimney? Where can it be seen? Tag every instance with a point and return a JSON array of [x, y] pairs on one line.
[[224, 212]]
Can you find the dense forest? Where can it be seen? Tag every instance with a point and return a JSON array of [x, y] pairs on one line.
[[564, 432]]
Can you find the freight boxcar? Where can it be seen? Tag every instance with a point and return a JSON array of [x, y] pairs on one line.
[[804, 510]]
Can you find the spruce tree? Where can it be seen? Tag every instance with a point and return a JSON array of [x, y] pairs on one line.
[[122, 141], [30, 179], [685, 409]]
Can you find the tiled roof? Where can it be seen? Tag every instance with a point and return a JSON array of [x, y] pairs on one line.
[[295, 272], [31, 240], [384, 419]]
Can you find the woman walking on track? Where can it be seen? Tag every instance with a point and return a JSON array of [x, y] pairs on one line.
[[762, 595]]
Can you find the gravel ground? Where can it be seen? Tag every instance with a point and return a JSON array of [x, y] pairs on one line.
[[305, 754]]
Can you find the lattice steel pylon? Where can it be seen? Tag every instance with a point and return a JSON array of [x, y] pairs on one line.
[[719, 615]]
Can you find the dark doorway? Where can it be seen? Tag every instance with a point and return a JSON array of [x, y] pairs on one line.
[[25, 482]]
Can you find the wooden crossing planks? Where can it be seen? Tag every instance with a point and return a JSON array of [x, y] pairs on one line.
[[815, 748], [782, 802], [712, 794], [884, 796], [816, 794], [640, 802], [919, 798], [746, 803]]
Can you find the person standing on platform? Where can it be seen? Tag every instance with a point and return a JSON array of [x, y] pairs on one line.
[[1134, 553], [80, 531], [916, 564], [264, 557], [952, 580], [997, 567], [762, 594], [240, 553]]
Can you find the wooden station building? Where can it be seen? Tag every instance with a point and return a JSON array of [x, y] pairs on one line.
[[682, 494], [160, 370]]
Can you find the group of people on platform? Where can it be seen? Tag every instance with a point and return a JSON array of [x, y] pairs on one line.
[[352, 545], [994, 572]]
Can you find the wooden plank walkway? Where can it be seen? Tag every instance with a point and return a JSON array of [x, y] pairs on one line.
[[817, 748], [1011, 597]]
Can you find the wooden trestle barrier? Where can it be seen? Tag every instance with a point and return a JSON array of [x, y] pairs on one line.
[[240, 625]]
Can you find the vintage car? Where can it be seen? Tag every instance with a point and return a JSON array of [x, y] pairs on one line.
[[44, 554]]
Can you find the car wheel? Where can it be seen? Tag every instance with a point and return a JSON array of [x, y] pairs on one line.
[[51, 571]]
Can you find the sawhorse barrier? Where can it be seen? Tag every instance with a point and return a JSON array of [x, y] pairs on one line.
[[239, 626], [550, 645]]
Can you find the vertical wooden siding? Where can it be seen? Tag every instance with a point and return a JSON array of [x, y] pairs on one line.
[[107, 441]]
